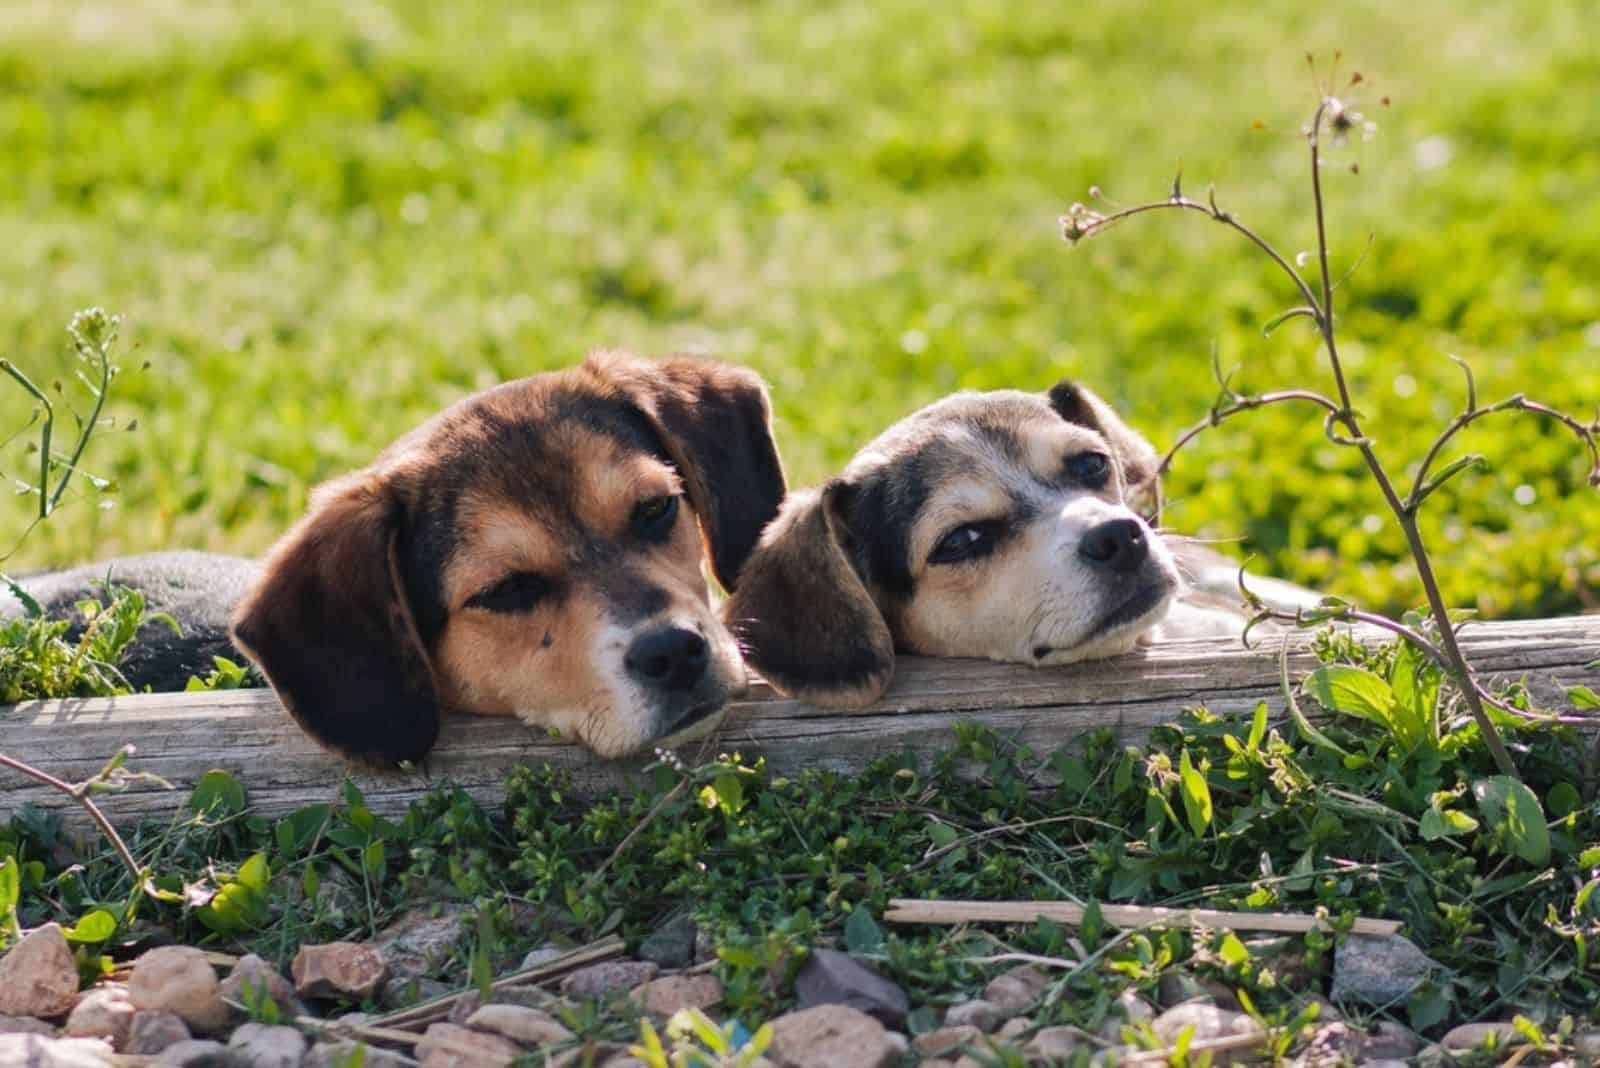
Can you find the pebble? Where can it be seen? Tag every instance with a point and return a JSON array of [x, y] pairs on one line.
[[542, 955], [256, 1045], [104, 1012], [832, 1036], [421, 943], [1054, 1043], [195, 1053], [253, 978], [349, 970], [672, 944], [24, 1025], [520, 1024], [833, 978], [446, 1045], [1472, 1035], [179, 979], [608, 977], [1378, 970], [38, 976], [984, 1015], [1208, 1022], [672, 993], [341, 1054], [1018, 990], [945, 1040], [153, 1030], [37, 1051]]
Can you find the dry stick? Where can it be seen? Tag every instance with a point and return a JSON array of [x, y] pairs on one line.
[[1205, 1045], [903, 910], [428, 1011], [80, 794]]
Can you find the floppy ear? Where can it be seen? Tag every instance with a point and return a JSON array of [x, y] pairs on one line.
[[802, 614], [329, 626], [716, 425], [1136, 458]]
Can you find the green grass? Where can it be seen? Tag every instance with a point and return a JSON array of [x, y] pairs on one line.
[[323, 226]]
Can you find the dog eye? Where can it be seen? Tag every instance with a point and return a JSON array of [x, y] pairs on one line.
[[1092, 469], [517, 592], [653, 518], [966, 542]]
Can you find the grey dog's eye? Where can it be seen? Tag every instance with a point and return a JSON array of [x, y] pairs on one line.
[[967, 542], [1092, 469]]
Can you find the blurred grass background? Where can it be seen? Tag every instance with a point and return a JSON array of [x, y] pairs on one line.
[[325, 222]]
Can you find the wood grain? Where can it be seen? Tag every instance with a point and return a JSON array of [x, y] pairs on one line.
[[181, 736]]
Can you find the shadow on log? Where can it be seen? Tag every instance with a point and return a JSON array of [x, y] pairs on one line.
[[182, 736]]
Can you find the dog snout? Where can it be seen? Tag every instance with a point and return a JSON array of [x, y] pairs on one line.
[[669, 658], [1119, 545]]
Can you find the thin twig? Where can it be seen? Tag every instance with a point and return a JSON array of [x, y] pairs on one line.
[[622, 847], [1235, 404], [80, 793]]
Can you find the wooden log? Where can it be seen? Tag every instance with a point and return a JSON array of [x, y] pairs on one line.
[[181, 736], [904, 910]]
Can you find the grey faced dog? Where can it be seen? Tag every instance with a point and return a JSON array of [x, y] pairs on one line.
[[1005, 525]]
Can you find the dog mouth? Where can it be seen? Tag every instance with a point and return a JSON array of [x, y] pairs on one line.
[[1131, 609]]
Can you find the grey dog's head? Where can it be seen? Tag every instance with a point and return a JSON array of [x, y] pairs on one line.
[[1006, 525]]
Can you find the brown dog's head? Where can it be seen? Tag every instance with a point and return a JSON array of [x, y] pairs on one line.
[[533, 551], [1004, 525]]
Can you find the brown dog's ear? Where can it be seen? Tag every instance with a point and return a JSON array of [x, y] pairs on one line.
[[802, 614], [1136, 458], [329, 626], [717, 426]]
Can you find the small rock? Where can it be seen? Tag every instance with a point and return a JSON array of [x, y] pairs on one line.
[[1378, 969], [1586, 1044], [1052, 1044], [1389, 1062], [38, 976], [421, 943], [24, 1025], [340, 1054], [1013, 1029], [347, 970], [1128, 1010], [983, 1015], [528, 1026], [447, 1046], [608, 977], [672, 944], [256, 1045], [1208, 1022], [179, 979], [1016, 991], [401, 993], [196, 1053], [1390, 1041], [527, 996], [669, 994], [463, 1007], [253, 979], [1471, 1036], [37, 1051], [834, 978], [104, 1012], [542, 955], [599, 1054], [153, 1030], [831, 1036], [945, 1040]]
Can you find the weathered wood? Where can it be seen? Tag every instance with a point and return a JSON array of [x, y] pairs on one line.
[[181, 736], [907, 910]]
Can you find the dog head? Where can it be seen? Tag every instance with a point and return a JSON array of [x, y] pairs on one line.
[[1004, 525], [533, 551]]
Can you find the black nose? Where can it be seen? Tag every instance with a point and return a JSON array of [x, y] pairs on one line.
[[672, 658], [1119, 545]]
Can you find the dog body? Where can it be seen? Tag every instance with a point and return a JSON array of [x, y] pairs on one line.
[[535, 550], [1004, 525]]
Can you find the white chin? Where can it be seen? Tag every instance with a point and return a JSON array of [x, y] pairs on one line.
[[1123, 638]]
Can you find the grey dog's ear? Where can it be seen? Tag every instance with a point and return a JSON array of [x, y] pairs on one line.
[[803, 615], [716, 423], [1136, 458]]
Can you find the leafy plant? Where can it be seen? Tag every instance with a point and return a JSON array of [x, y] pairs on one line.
[[700, 1042]]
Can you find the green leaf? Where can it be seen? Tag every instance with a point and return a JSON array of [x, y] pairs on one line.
[[1516, 817], [861, 933], [1258, 728], [373, 859], [1415, 683], [1196, 795], [255, 874], [1583, 697], [1232, 951], [97, 926], [1428, 1006], [1093, 925], [218, 795], [1445, 823], [1563, 800], [942, 834], [1354, 691]]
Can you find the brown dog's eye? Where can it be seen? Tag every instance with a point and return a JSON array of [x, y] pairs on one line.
[[653, 518], [967, 542], [1093, 469], [518, 592]]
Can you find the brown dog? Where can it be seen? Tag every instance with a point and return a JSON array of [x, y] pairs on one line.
[[533, 551], [1005, 525]]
